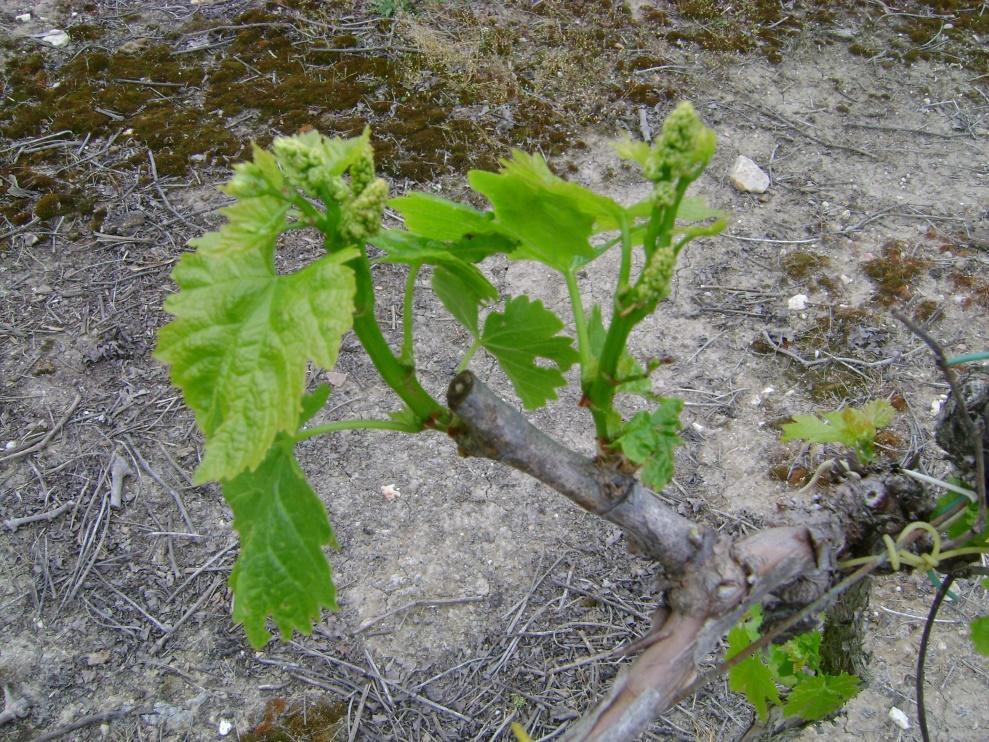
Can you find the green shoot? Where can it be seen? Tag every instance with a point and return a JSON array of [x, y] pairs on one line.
[[787, 676], [243, 334], [980, 635], [854, 427]]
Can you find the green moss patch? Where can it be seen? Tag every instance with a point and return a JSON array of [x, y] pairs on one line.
[[843, 332], [799, 265], [894, 273], [446, 88], [284, 722]]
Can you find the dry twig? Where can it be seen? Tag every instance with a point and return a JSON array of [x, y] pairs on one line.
[[28, 448], [13, 708], [12, 524]]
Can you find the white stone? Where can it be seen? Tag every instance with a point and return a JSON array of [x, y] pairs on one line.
[[748, 177], [23, 17], [797, 302], [224, 728], [56, 37], [899, 718]]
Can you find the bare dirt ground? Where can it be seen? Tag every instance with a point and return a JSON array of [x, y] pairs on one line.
[[476, 597]]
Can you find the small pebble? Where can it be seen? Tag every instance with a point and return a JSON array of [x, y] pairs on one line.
[[56, 37], [748, 177], [899, 718]]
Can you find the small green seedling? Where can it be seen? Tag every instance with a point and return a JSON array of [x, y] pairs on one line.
[[854, 427], [787, 676]]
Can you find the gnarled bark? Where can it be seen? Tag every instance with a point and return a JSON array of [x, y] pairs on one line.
[[715, 579]]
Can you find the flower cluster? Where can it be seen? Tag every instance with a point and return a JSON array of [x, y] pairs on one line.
[[654, 281], [676, 157], [361, 217], [683, 149], [338, 172]]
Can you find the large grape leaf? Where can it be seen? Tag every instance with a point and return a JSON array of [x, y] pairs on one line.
[[817, 696], [239, 345], [281, 571], [525, 331]]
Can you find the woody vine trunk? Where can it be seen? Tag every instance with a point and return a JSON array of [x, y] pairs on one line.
[[714, 578]]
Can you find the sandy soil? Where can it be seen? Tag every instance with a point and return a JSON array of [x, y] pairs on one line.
[[477, 597]]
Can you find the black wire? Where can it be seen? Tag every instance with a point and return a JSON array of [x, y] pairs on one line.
[[922, 657]]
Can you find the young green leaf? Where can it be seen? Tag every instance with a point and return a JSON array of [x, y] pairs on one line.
[[461, 287], [414, 249], [551, 218], [854, 427], [804, 651], [751, 676], [649, 439], [239, 345], [463, 290], [281, 571], [525, 331], [439, 219], [313, 403], [980, 634], [781, 666], [258, 178], [253, 224], [817, 696], [533, 169]]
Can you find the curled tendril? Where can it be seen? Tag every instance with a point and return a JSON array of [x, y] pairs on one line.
[[898, 556]]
